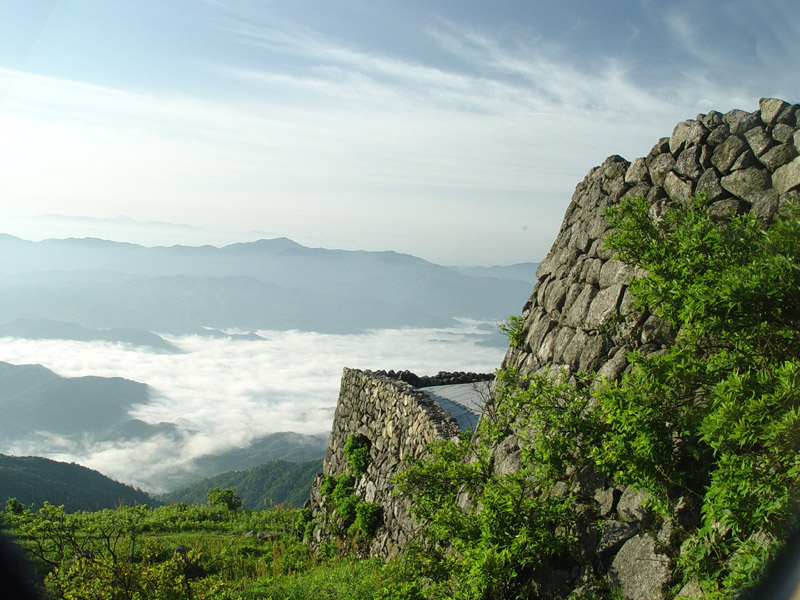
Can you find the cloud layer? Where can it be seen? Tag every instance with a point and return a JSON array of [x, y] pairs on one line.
[[224, 393]]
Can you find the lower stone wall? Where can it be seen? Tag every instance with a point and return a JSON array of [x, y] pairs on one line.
[[399, 421]]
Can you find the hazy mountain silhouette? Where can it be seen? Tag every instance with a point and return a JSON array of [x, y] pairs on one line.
[[281, 446], [268, 284], [47, 329], [34, 399]]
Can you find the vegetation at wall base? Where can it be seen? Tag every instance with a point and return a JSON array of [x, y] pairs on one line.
[[181, 552], [717, 416], [712, 421], [350, 522]]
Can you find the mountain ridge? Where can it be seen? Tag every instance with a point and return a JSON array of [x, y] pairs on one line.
[[274, 284]]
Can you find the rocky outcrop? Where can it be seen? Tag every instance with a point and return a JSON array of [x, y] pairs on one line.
[[398, 421], [743, 161]]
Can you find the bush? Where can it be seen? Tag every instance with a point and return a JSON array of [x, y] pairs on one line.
[[224, 498], [716, 416], [356, 453], [514, 329]]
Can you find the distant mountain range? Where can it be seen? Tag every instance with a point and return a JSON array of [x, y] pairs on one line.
[[32, 480], [282, 446], [47, 329], [268, 284]]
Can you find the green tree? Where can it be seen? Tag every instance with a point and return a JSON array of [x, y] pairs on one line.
[[224, 498]]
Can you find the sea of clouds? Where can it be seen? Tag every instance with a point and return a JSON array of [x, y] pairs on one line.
[[223, 393]]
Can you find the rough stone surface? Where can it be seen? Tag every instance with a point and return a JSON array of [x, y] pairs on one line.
[[613, 534], [741, 121], [632, 506], [735, 181], [787, 177], [770, 109], [688, 133], [747, 184], [725, 155], [778, 156], [399, 421], [640, 570], [759, 140], [782, 133], [678, 190], [662, 166]]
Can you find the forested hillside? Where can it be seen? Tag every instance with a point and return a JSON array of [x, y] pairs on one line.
[[33, 480], [263, 486]]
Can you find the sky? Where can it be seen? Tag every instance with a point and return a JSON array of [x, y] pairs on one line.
[[452, 130], [222, 394]]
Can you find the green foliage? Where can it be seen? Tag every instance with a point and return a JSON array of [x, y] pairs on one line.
[[225, 498], [367, 519], [350, 516], [14, 506], [341, 578], [514, 329], [356, 453], [715, 416], [304, 525], [500, 543], [135, 553], [350, 520]]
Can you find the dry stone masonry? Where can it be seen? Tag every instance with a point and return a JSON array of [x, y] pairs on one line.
[[744, 162], [399, 421], [580, 317]]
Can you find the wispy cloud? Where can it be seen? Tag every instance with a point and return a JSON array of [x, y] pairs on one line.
[[311, 131]]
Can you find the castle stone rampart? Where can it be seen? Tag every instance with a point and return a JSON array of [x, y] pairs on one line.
[[744, 162], [399, 421]]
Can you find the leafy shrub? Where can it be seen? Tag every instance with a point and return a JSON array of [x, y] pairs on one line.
[[356, 453], [224, 498], [514, 329], [367, 519], [716, 416], [500, 542]]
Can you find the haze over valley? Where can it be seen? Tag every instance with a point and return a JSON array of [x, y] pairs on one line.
[[402, 149], [157, 363]]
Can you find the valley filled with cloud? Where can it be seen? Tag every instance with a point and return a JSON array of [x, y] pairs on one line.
[[223, 393]]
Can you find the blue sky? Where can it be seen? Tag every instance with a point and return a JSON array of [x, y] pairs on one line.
[[452, 130]]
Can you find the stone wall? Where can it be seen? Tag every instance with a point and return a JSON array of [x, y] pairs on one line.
[[399, 421], [744, 162]]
